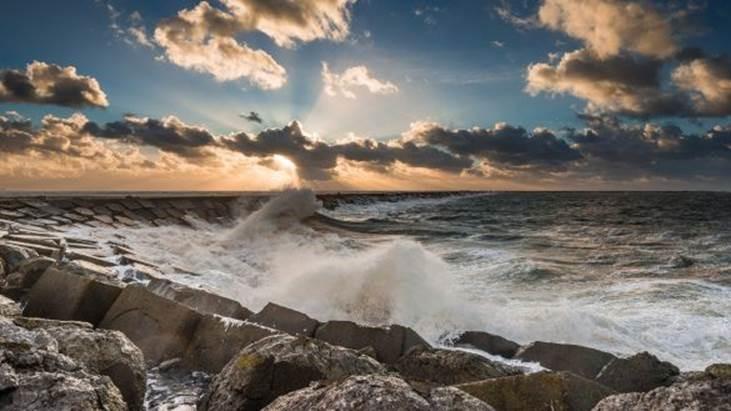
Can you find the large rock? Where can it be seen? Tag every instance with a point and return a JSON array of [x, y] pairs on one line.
[[279, 364], [34, 375], [638, 373], [375, 392], [389, 343], [65, 296], [285, 319], [709, 391], [161, 328], [28, 272], [201, 300], [217, 339], [103, 352], [489, 343], [448, 367], [13, 255], [549, 391], [580, 360]]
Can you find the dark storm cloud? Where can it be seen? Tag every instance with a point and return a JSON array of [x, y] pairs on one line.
[[169, 134], [253, 116], [16, 134], [43, 83], [504, 145]]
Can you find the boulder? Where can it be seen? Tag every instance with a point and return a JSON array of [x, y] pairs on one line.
[[638, 373], [161, 328], [549, 391], [710, 390], [13, 255], [32, 269], [278, 364], [580, 360], [35, 376], [489, 343], [103, 352], [375, 392], [8, 307], [389, 343], [82, 298], [217, 339], [200, 300], [448, 367], [286, 320]]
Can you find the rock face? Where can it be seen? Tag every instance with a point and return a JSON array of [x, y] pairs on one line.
[[286, 320], [28, 272], [638, 373], [375, 392], [200, 300], [34, 375], [8, 307], [13, 255], [279, 364], [489, 343], [709, 391], [83, 298], [584, 361], [161, 328], [102, 352], [448, 367], [549, 391], [389, 343]]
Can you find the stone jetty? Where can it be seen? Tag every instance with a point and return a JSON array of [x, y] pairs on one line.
[[77, 334]]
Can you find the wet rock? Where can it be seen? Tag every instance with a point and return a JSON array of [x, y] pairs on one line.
[[374, 392], [34, 375], [389, 343], [448, 367], [174, 389], [707, 391], [201, 300], [584, 361], [549, 391], [489, 343], [279, 364], [13, 255], [32, 269], [286, 320], [103, 352], [83, 298], [638, 373], [8, 307], [217, 339], [161, 328]]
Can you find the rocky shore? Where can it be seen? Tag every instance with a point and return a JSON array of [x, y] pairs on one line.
[[77, 334]]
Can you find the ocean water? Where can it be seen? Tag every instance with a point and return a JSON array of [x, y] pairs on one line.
[[622, 272]]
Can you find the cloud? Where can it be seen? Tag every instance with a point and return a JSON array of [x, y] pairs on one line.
[[631, 85], [253, 116], [354, 77], [609, 26], [505, 12], [203, 38], [43, 83]]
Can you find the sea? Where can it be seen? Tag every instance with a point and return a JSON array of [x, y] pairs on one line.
[[623, 272]]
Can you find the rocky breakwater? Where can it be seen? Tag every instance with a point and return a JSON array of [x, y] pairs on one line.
[[89, 338]]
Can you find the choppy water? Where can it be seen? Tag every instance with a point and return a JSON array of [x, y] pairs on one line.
[[622, 272]]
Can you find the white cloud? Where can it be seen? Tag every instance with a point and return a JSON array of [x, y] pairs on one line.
[[352, 78]]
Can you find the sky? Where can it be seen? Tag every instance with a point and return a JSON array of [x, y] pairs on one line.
[[365, 95]]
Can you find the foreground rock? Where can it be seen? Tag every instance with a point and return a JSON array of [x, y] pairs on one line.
[[710, 390], [638, 373], [200, 300], [286, 320], [12, 255], [103, 352], [489, 343], [8, 307], [549, 391], [375, 392], [389, 343], [279, 364], [449, 367], [34, 375], [584, 361]]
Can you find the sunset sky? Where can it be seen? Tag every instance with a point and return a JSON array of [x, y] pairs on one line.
[[365, 94]]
